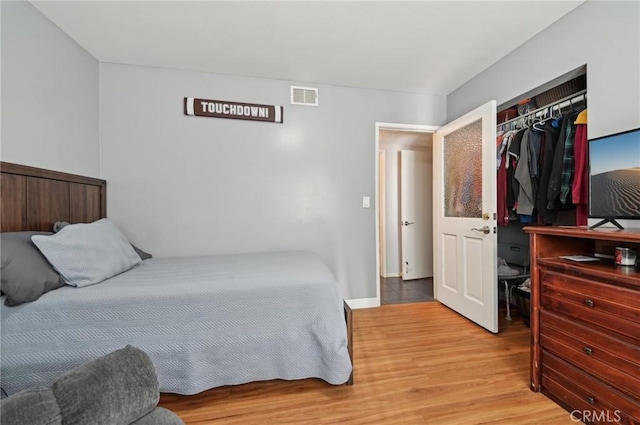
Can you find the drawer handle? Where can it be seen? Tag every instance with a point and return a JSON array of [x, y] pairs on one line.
[[591, 400], [588, 351], [588, 303]]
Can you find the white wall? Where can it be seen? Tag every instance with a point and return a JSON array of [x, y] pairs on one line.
[[49, 95], [603, 35], [181, 185]]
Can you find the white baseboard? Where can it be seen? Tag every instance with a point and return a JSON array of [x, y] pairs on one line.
[[398, 274], [363, 303]]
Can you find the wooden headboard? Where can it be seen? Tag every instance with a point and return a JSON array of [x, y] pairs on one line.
[[34, 198]]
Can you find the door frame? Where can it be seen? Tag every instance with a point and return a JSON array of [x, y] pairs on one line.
[[381, 216], [388, 126]]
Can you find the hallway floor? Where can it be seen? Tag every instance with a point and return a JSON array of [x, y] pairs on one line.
[[394, 290]]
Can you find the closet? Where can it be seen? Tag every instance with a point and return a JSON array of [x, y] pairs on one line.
[[542, 161]]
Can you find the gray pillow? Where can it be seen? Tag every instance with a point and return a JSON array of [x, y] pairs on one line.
[[114, 389], [59, 225], [26, 274], [34, 407], [85, 254]]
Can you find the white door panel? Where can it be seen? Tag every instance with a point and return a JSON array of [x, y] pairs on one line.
[[464, 162], [450, 267]]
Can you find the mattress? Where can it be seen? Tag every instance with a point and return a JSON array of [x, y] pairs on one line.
[[205, 322]]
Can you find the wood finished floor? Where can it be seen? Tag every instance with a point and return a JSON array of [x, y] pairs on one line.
[[415, 363]]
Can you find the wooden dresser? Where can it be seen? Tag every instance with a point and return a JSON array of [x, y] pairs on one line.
[[585, 323]]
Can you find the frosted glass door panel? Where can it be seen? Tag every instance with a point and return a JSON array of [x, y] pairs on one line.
[[463, 171]]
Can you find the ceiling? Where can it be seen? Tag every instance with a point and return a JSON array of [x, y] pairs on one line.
[[429, 47]]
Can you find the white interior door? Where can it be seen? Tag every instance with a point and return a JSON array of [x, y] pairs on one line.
[[465, 240], [416, 222]]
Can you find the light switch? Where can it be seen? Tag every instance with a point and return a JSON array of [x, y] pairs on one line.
[[365, 202]]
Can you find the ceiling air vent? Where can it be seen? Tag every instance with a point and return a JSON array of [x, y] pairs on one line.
[[304, 96]]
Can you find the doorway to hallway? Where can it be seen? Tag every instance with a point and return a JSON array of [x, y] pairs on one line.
[[394, 290], [403, 208]]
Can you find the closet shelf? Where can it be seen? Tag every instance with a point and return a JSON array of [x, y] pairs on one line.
[[543, 112]]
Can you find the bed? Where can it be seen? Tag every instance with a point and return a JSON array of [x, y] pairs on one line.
[[205, 321]]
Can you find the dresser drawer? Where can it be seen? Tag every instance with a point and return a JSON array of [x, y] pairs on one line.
[[570, 350], [580, 410], [608, 306], [580, 391], [588, 343]]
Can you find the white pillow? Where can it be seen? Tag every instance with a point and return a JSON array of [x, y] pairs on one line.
[[85, 254]]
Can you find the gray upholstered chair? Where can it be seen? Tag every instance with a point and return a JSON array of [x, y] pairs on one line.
[[117, 389]]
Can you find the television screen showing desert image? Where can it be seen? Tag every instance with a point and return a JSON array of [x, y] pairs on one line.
[[615, 175]]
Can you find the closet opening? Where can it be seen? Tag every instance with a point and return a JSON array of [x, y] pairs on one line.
[[542, 174]]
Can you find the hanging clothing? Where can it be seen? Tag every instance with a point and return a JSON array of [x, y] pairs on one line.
[[504, 142], [523, 176], [559, 172], [501, 180], [551, 135], [582, 117], [580, 187], [535, 143], [536, 146], [513, 186], [500, 147], [541, 169], [566, 179]]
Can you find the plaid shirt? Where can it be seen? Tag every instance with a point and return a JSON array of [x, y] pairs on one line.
[[567, 161]]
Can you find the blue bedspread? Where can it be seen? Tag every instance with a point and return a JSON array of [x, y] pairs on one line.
[[204, 321]]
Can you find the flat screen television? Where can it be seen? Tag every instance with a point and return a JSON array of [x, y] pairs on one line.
[[614, 177]]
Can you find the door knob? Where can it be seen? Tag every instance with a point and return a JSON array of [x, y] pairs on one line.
[[485, 229], [406, 223]]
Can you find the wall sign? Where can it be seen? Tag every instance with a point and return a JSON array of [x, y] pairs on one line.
[[236, 110]]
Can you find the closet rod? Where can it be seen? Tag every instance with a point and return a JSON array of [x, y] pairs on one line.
[[544, 108]]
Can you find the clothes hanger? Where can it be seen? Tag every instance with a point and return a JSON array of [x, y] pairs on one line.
[[548, 114], [540, 124], [557, 120]]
